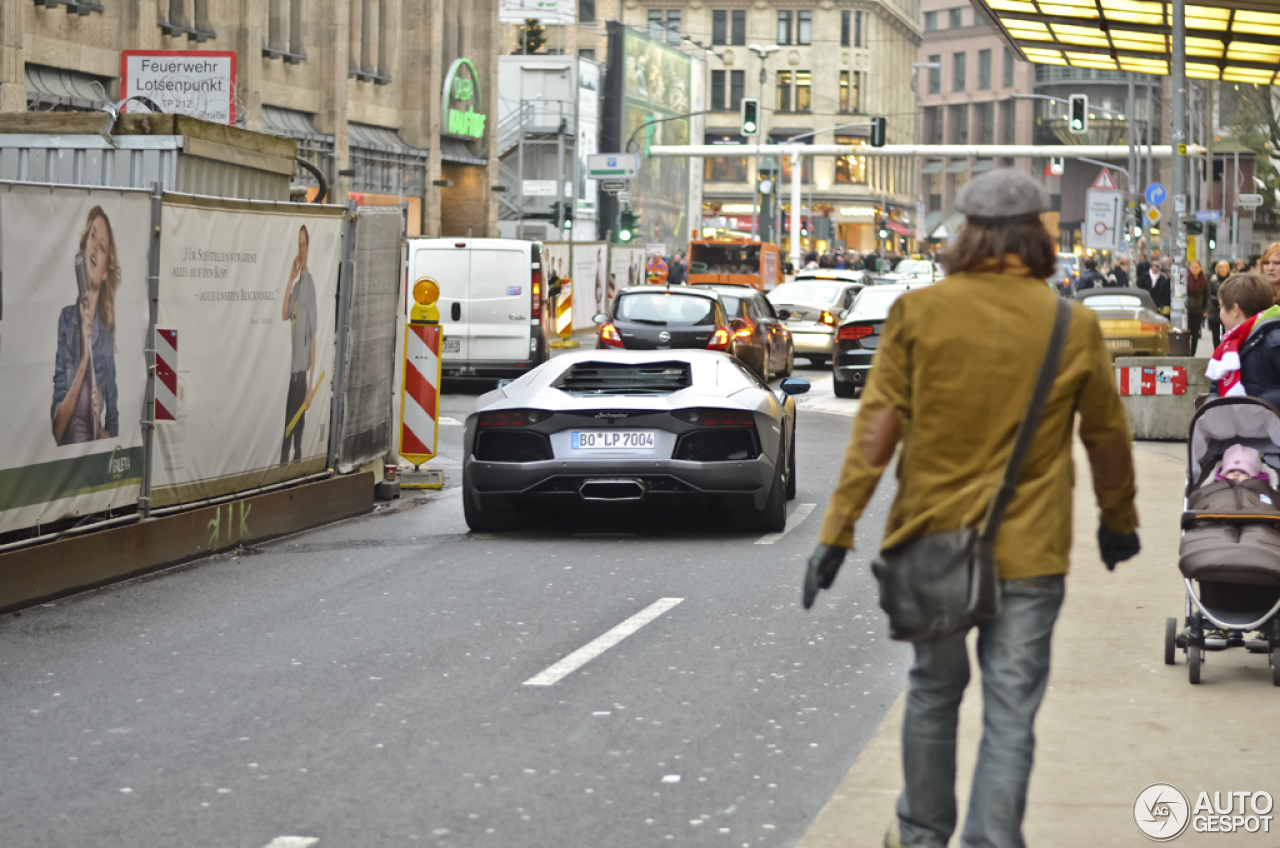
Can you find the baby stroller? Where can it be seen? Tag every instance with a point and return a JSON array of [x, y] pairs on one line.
[[1230, 557]]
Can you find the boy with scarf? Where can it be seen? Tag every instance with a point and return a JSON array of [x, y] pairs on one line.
[[1243, 302]]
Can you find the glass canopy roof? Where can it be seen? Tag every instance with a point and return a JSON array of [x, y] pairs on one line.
[[1233, 40]]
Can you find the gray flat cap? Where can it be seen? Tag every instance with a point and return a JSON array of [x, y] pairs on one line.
[[1003, 193]]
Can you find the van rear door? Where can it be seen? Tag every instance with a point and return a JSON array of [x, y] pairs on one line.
[[500, 301], [450, 267]]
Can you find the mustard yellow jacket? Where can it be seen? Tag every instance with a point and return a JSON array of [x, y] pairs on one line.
[[951, 380]]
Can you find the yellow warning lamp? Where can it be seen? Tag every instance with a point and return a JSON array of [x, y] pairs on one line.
[[426, 292]]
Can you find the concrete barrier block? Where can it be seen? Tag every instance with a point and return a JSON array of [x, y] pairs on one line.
[[1164, 417]]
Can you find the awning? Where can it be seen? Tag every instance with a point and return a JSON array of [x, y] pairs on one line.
[[933, 166], [291, 123], [48, 87], [386, 140], [958, 167], [898, 228], [458, 152], [949, 227], [1232, 40], [982, 165]]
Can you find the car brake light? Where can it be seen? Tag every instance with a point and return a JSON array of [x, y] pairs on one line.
[[719, 339], [609, 335], [1145, 327], [513, 417], [715, 417], [745, 328], [537, 294], [827, 318], [855, 331]]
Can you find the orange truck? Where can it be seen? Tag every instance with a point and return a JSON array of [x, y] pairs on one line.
[[743, 263]]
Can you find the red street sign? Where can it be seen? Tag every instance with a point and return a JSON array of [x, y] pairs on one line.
[[1104, 181]]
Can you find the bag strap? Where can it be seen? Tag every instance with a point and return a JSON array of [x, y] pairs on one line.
[[1031, 422]]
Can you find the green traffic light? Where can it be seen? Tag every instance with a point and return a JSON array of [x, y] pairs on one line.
[[749, 126], [624, 236]]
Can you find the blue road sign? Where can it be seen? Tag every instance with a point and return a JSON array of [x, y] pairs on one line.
[[1156, 194], [1210, 215]]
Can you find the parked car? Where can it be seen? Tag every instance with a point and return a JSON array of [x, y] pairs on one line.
[[813, 309], [844, 275], [666, 318], [760, 337], [628, 430], [490, 303], [1131, 324], [1067, 274], [859, 336]]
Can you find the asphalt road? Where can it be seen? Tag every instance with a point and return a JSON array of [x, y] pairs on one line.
[[367, 684]]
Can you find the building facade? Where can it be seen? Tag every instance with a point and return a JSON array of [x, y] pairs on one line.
[[367, 87]]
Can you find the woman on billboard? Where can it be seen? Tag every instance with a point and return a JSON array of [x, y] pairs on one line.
[[84, 377]]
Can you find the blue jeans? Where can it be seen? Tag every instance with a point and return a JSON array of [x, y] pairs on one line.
[[1013, 653]]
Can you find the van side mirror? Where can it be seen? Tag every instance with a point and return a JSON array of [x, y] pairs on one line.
[[600, 318]]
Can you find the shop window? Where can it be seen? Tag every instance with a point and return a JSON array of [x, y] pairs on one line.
[[784, 91], [851, 168], [186, 17], [368, 43], [957, 72], [935, 75], [803, 82], [784, 27], [804, 27], [725, 169], [284, 31], [850, 91]]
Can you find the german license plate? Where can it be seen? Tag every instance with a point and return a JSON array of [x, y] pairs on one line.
[[1119, 344], [637, 440], [452, 346]]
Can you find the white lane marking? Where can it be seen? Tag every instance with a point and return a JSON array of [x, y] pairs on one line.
[[292, 842], [797, 515], [601, 643], [446, 421]]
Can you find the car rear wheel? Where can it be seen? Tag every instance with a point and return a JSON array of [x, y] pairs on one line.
[[790, 363], [773, 518], [791, 466], [482, 520], [764, 366]]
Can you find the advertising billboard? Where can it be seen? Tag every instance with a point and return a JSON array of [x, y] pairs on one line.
[[73, 370], [648, 79]]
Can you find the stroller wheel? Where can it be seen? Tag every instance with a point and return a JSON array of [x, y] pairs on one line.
[[1170, 639], [1194, 658]]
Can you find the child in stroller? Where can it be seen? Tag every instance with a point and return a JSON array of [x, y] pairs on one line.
[[1230, 551]]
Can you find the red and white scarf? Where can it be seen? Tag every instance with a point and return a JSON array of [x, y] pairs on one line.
[[1224, 367]]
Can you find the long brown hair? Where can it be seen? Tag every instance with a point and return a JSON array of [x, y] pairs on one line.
[[984, 239], [106, 297]]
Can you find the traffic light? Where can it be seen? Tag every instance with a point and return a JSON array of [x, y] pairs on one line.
[[1079, 115], [1195, 228], [879, 128], [750, 116], [1212, 232], [1057, 165], [881, 229], [627, 225], [568, 216]]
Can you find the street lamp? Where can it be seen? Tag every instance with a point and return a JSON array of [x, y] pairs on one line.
[[763, 52]]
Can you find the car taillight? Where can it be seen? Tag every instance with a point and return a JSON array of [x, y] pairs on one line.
[[719, 339], [537, 294], [744, 328], [513, 417], [855, 331], [715, 417], [1144, 327], [827, 318], [609, 335]]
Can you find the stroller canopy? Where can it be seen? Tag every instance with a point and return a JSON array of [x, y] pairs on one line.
[[1229, 421]]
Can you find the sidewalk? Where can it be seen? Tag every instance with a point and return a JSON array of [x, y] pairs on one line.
[[1115, 719]]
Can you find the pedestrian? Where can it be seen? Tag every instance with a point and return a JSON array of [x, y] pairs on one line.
[[1158, 285], [1221, 272], [840, 262], [1243, 297], [676, 276], [857, 264], [826, 261], [1142, 273], [1090, 279], [1268, 265], [1120, 274], [657, 271], [957, 418], [1197, 297]]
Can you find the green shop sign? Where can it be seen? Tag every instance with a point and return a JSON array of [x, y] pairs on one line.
[[460, 103]]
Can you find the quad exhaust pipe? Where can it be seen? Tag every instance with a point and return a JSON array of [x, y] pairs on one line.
[[624, 489]]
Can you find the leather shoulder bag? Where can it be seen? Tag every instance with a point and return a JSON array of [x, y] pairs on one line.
[[945, 583]]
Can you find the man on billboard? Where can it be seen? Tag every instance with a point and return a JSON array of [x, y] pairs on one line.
[[300, 311]]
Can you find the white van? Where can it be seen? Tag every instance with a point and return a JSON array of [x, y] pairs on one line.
[[491, 303]]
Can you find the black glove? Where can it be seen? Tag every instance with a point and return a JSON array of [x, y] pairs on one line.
[[823, 565], [1116, 547]]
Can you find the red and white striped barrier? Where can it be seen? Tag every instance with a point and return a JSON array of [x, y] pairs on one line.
[[166, 375], [1152, 380], [420, 395]]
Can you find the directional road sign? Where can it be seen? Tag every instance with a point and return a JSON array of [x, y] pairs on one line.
[[1156, 194], [1210, 215], [613, 166]]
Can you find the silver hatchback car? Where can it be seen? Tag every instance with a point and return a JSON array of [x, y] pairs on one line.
[[812, 308]]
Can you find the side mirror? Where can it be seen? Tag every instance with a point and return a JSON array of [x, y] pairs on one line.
[[502, 384], [600, 318], [794, 386], [784, 314]]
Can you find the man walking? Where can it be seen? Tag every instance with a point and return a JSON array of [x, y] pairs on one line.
[[299, 308], [957, 419]]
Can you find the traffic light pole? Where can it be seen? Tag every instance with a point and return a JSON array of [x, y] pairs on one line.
[[1178, 56]]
